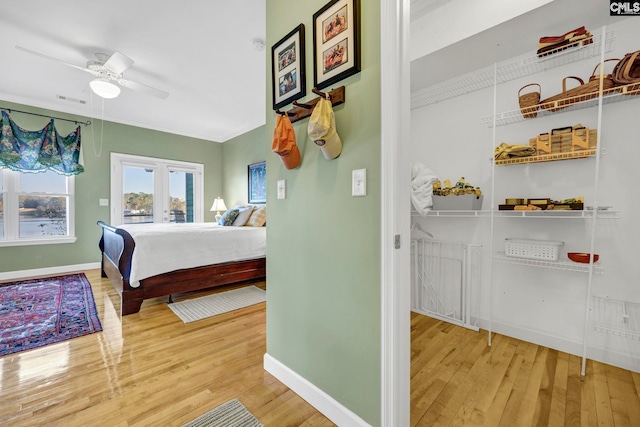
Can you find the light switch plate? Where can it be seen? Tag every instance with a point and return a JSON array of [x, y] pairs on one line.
[[359, 182], [282, 189], [104, 202]]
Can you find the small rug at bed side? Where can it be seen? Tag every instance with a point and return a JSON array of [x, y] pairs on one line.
[[211, 305], [230, 414], [38, 312]]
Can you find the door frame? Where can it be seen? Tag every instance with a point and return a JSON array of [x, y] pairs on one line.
[[162, 166], [395, 213]]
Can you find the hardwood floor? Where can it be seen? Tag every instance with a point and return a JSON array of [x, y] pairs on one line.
[[148, 369], [456, 379]]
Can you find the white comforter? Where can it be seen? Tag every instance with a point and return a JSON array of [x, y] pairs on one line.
[[161, 248]]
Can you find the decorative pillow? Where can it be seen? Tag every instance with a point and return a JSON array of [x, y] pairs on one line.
[[228, 217], [243, 216], [258, 217]]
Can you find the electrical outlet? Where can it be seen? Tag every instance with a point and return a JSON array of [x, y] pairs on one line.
[[104, 202]]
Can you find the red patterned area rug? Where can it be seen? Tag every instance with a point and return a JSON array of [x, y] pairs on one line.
[[38, 312]]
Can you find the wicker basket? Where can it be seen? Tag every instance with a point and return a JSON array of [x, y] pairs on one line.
[[529, 102], [545, 250], [582, 92]]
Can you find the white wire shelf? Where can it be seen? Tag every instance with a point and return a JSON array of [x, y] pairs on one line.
[[614, 317], [556, 265], [580, 102], [558, 213], [512, 69], [570, 155], [562, 214]]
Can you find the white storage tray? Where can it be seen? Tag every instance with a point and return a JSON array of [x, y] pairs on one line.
[[546, 250]]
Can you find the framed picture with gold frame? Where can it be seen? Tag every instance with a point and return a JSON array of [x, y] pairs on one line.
[[336, 42]]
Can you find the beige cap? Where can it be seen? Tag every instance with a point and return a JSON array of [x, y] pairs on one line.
[[322, 129], [284, 143]]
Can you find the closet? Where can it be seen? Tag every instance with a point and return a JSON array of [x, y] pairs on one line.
[[591, 310]]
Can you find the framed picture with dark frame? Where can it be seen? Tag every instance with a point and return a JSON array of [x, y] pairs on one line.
[[288, 68], [257, 178], [336, 42]]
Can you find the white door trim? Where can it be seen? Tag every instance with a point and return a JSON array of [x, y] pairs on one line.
[[395, 217]]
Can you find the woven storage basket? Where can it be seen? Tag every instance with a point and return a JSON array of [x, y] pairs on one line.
[[545, 250], [580, 93], [627, 71], [529, 102]]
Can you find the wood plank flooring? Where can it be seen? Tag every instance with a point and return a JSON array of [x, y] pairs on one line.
[[457, 380], [150, 369]]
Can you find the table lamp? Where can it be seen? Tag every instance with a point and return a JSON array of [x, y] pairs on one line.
[[218, 205]]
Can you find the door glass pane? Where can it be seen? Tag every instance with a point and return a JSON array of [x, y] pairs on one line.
[[138, 194], [181, 196], [42, 216]]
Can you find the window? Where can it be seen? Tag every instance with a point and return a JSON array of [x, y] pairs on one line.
[[36, 208], [150, 190]]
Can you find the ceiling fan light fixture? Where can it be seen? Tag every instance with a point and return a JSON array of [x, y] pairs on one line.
[[104, 88]]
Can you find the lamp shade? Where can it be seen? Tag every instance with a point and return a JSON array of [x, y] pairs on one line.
[[218, 205], [104, 88]]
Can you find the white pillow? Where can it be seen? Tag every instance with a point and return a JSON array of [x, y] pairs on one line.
[[243, 216]]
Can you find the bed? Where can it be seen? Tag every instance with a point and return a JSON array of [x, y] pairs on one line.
[[145, 261]]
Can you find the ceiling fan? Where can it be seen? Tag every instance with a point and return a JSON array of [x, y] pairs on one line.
[[107, 70]]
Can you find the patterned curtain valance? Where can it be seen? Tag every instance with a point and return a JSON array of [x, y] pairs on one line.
[[37, 151]]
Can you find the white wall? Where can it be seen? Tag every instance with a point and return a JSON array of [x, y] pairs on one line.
[[458, 19], [535, 304]]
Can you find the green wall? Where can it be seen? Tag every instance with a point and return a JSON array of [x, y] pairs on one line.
[[323, 245], [238, 153], [93, 184]]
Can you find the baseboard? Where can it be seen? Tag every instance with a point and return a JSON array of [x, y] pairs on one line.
[[317, 398], [21, 274], [607, 355]]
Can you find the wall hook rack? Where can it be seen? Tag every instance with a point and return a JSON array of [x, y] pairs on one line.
[[298, 104], [303, 110], [283, 113]]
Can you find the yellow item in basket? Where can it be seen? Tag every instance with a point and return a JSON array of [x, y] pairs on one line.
[[447, 183], [506, 151], [526, 208]]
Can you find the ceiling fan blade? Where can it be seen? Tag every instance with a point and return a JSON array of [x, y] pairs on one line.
[[144, 88], [53, 59], [118, 63]]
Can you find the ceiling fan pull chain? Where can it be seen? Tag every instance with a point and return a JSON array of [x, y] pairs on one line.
[[97, 153]]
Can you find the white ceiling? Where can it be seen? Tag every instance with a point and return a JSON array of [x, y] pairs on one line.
[[514, 37], [200, 51]]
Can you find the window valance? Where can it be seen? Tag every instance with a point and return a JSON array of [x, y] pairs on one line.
[[37, 151]]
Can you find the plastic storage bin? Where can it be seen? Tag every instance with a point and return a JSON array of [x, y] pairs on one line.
[[464, 202], [546, 250]]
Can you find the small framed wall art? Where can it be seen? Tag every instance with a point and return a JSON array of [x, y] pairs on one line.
[[288, 68], [257, 177], [336, 42]]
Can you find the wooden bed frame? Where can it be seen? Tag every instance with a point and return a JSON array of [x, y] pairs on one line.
[[117, 248]]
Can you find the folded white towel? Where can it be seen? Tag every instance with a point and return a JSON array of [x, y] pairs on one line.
[[422, 179]]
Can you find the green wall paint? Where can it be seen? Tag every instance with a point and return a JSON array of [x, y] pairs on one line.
[[323, 245], [238, 153], [93, 184]]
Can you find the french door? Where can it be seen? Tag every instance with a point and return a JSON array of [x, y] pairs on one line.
[[151, 190]]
